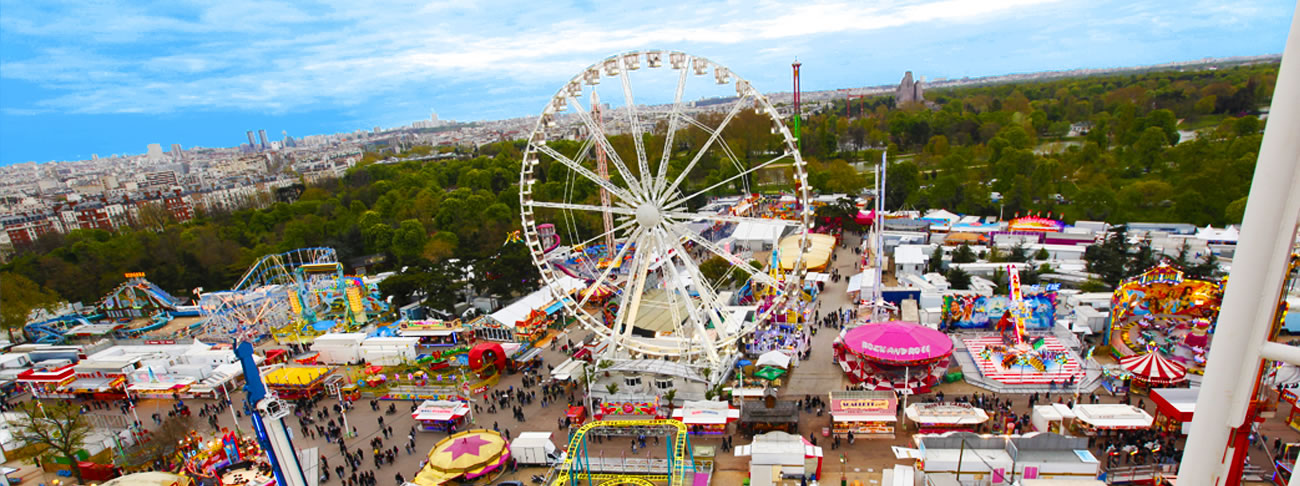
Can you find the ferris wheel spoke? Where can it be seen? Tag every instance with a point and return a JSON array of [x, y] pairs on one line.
[[627, 312], [713, 137], [614, 230], [709, 305], [591, 289], [672, 131], [585, 172], [751, 170], [726, 255], [583, 207], [598, 133], [727, 218], [634, 121]]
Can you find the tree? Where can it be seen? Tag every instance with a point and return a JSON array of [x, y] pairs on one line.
[[1042, 255], [612, 388], [963, 254], [1108, 259], [958, 279], [936, 259], [511, 271], [19, 296], [57, 428], [715, 270], [442, 284], [1019, 253]]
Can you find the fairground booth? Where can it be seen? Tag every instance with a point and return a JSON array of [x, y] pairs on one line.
[[1053, 417], [864, 413], [1099, 418], [436, 335], [1174, 408], [939, 417], [48, 382], [294, 382], [778, 458], [706, 417], [1152, 369], [963, 458], [894, 355], [441, 415], [769, 414]]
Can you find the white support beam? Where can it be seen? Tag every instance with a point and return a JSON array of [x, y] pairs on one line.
[[1254, 285]]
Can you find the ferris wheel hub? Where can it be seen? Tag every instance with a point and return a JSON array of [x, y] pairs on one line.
[[647, 215]]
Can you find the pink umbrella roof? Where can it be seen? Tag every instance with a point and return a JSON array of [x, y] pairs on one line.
[[898, 342], [1154, 368], [864, 217]]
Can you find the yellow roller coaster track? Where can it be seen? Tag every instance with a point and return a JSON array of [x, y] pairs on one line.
[[680, 463]]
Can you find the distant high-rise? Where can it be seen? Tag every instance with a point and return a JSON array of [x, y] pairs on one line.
[[909, 91], [261, 134], [177, 151], [252, 142], [155, 152], [94, 156]]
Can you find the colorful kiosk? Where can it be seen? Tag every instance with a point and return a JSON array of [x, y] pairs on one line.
[[294, 382], [706, 417], [48, 382], [894, 355], [940, 418], [463, 457], [1174, 408], [441, 415], [436, 334], [1152, 369], [865, 413]]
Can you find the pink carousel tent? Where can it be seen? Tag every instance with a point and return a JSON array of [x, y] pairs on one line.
[[1154, 368], [898, 343], [864, 218]]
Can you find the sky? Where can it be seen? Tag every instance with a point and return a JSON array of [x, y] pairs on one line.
[[82, 77]]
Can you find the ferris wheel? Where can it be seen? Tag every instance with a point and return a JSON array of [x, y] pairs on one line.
[[642, 214]]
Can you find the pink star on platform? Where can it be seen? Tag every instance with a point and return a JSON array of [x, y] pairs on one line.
[[466, 445]]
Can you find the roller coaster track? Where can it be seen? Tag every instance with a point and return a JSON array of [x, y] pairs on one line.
[[280, 268], [576, 468]]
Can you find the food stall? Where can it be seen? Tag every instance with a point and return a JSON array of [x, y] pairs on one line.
[[706, 417], [1093, 417], [768, 415], [1174, 408], [47, 382], [778, 458], [865, 413], [1053, 417], [940, 417], [441, 415]]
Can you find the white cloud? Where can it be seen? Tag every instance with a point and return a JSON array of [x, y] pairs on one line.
[[274, 56]]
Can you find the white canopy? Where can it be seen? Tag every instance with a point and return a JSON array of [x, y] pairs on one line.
[[1112, 416], [774, 358], [440, 410], [756, 231], [519, 310]]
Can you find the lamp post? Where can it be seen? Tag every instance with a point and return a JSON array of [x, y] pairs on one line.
[[231, 404]]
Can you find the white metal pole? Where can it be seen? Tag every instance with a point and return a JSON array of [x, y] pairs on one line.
[[231, 404], [1258, 269]]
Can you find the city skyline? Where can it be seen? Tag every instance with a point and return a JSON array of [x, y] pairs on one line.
[[107, 79]]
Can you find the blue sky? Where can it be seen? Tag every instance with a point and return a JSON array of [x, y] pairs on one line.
[[111, 76]]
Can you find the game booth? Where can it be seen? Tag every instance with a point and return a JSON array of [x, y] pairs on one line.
[[1092, 418], [1152, 369], [228, 458], [940, 417], [577, 414], [294, 382], [441, 415], [476, 454], [768, 415], [48, 382], [706, 417], [865, 413], [1053, 417], [894, 355], [1174, 408]]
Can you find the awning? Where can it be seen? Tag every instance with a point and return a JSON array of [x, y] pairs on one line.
[[529, 355], [774, 358], [706, 416]]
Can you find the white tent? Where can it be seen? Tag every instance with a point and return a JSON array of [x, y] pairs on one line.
[[774, 358]]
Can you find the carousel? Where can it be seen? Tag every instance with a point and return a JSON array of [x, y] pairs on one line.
[[465, 458], [226, 459], [894, 355], [1152, 369], [1162, 311]]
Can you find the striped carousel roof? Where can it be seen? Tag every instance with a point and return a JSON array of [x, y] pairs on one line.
[[1154, 368]]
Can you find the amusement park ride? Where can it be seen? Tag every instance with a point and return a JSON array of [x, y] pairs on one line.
[[290, 296], [651, 238]]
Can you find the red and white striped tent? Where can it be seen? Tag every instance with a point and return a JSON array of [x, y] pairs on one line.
[[1154, 368]]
